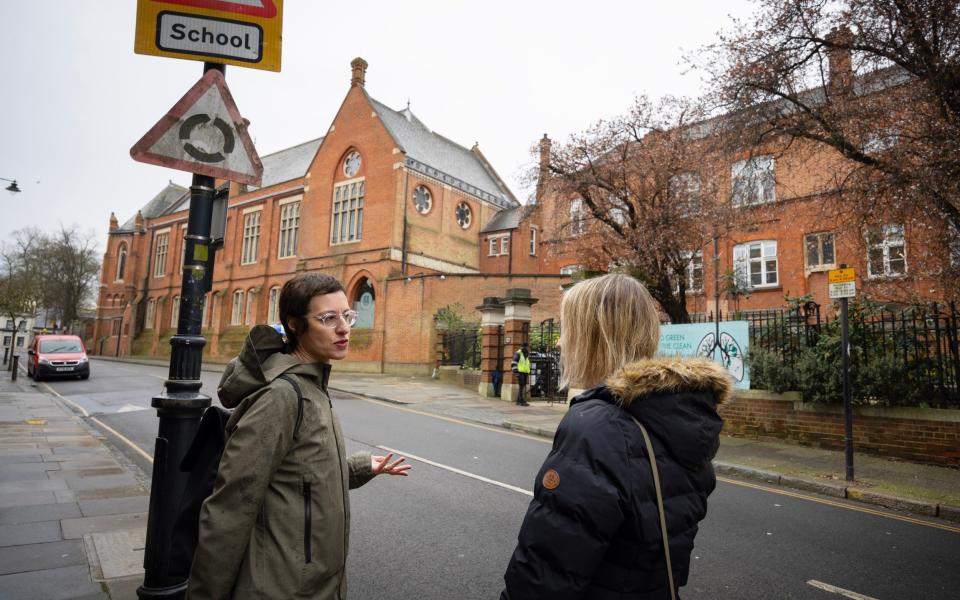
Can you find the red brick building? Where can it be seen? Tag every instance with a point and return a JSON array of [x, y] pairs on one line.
[[395, 211]]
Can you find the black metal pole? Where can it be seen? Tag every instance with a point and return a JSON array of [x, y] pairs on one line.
[[119, 334], [181, 405], [847, 408]]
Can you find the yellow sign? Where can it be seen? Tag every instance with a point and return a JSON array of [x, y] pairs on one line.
[[840, 276], [245, 33]]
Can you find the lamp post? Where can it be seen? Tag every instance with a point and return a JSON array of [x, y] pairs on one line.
[[13, 188]]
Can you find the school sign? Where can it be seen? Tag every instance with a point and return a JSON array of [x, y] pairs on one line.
[[700, 339]]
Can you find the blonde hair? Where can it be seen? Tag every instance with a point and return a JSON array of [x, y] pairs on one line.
[[606, 323]]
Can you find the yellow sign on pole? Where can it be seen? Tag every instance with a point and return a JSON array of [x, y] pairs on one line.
[[840, 276], [245, 33]]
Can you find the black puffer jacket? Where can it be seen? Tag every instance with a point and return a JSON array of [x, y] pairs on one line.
[[592, 528]]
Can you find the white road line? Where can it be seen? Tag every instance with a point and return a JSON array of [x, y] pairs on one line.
[[507, 486], [124, 439], [837, 590], [79, 408]]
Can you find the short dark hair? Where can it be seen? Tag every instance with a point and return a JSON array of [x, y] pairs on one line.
[[295, 300]]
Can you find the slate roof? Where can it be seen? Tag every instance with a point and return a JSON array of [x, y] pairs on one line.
[[170, 195], [287, 164], [504, 219], [441, 158]]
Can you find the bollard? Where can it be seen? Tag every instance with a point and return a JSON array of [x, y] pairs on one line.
[[16, 363]]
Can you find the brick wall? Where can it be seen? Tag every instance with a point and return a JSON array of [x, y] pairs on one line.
[[918, 434]]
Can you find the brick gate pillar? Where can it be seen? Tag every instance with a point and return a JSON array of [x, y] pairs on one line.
[[491, 318], [516, 332]]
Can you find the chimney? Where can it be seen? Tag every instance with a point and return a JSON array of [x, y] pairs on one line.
[[359, 76], [113, 222], [839, 60], [138, 222], [544, 171]]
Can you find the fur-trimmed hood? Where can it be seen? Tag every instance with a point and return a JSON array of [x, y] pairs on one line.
[[670, 374], [676, 399]]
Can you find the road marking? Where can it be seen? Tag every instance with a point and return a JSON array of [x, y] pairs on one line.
[[494, 429], [84, 412], [124, 439], [79, 408], [507, 486], [836, 590], [837, 504]]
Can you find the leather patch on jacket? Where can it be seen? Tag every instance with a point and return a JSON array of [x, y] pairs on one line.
[[551, 479]]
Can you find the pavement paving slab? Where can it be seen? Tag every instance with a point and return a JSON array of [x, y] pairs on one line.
[[32, 557], [30, 533], [77, 528], [114, 506], [14, 499], [64, 583], [34, 513], [116, 554]]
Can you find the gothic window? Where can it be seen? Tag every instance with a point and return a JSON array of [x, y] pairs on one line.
[[363, 303], [422, 199], [464, 215]]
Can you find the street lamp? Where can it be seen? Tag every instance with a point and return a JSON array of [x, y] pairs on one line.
[[12, 188]]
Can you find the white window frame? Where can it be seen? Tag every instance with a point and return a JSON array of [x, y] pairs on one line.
[[346, 222], [161, 241], [183, 246], [289, 228], [892, 235], [821, 265], [236, 309], [493, 247], [273, 305], [743, 263], [533, 240], [121, 261], [690, 271], [753, 181], [249, 312], [570, 269], [251, 235], [683, 189], [578, 221], [175, 311], [504, 245], [149, 319]]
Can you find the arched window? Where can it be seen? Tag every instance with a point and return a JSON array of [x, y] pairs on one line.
[[175, 311], [363, 303], [250, 315], [206, 310], [151, 315], [273, 305], [236, 314], [121, 261]]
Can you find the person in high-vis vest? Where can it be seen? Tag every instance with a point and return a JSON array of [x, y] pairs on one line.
[[521, 366]]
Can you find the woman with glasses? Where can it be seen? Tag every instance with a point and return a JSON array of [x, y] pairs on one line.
[[593, 529], [277, 523]]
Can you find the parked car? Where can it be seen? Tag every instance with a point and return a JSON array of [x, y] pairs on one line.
[[57, 356]]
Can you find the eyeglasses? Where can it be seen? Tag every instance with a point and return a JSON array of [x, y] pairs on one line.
[[330, 319]]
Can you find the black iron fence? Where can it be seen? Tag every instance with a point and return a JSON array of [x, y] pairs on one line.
[[462, 348], [907, 356], [545, 361]]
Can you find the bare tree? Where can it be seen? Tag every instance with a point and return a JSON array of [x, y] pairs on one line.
[[638, 192], [874, 82], [21, 280]]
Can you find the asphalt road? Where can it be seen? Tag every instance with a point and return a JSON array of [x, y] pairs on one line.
[[447, 531]]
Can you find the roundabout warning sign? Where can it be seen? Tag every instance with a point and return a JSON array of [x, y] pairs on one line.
[[203, 133]]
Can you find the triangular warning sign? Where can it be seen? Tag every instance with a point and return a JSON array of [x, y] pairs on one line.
[[203, 133], [255, 8]]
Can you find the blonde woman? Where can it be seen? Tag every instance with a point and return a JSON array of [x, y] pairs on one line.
[[593, 529]]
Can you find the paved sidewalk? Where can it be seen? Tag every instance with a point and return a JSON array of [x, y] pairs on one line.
[[73, 511]]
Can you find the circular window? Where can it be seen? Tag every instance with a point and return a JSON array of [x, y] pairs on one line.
[[464, 215], [422, 200], [351, 164]]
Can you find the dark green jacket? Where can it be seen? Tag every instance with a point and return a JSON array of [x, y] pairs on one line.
[[277, 524]]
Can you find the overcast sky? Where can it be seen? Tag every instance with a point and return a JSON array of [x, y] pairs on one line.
[[74, 97]]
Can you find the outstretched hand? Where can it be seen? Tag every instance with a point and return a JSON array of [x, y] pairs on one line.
[[382, 464]]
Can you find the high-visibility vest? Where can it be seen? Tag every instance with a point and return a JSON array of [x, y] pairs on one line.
[[523, 365]]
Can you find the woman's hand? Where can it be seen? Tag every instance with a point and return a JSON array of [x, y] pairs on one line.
[[382, 464]]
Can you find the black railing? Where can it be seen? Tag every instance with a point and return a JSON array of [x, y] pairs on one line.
[[906, 356], [545, 360], [462, 348]]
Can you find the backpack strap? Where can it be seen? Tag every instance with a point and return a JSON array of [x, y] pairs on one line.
[[296, 388]]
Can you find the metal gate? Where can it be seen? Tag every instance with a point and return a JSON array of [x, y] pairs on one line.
[[545, 361]]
